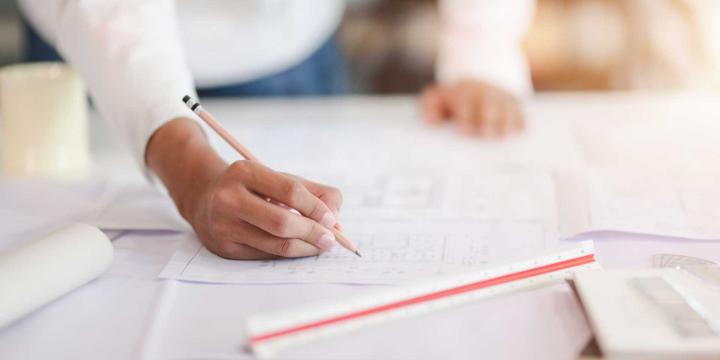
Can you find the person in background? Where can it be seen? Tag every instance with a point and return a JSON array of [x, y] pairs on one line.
[[139, 58]]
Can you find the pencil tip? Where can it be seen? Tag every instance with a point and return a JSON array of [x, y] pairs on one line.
[[357, 253]]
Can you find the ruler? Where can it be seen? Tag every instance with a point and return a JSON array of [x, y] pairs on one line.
[[270, 333], [678, 261]]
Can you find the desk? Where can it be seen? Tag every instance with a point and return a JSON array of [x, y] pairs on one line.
[[129, 313]]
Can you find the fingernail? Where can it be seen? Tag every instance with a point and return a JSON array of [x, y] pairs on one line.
[[326, 242], [328, 220]]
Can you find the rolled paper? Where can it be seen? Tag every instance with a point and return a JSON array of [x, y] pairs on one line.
[[45, 269]]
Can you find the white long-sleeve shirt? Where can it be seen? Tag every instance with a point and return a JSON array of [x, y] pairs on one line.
[[139, 57]]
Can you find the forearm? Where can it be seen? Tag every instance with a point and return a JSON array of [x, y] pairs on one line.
[[129, 55], [180, 155]]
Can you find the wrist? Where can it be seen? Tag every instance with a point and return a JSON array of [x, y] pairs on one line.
[[182, 158]]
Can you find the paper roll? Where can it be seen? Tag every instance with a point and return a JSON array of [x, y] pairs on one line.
[[45, 269]]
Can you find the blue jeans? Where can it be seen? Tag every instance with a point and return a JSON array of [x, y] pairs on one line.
[[322, 73]]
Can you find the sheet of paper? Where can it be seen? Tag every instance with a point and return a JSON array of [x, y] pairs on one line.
[[52, 199], [138, 207], [392, 252], [657, 172], [32, 208], [108, 205], [408, 226], [503, 193], [660, 203]]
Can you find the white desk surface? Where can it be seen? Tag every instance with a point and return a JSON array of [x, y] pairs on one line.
[[129, 313]]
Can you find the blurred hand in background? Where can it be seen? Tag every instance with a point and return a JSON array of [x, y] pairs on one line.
[[477, 108]]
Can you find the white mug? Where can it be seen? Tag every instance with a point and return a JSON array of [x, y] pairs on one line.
[[43, 121]]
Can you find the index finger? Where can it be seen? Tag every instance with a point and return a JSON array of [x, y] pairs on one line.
[[332, 197], [291, 192]]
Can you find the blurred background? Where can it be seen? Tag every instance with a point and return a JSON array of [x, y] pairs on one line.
[[599, 45], [10, 33]]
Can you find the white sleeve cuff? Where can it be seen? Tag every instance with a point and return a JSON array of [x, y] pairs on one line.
[[481, 40]]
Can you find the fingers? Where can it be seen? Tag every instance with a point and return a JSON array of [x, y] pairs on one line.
[[490, 119], [289, 191], [237, 251], [506, 125], [332, 197], [282, 223], [250, 243], [246, 214], [464, 111], [510, 117], [518, 118], [484, 111], [433, 104], [273, 246]]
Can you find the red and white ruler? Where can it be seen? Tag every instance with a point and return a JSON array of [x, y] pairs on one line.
[[269, 333]]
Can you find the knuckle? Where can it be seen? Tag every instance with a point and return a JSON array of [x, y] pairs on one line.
[[293, 188], [238, 167], [336, 195], [280, 225], [318, 209], [252, 167], [243, 169], [314, 228]]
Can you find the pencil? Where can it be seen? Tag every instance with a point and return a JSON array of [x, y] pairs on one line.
[[214, 124]]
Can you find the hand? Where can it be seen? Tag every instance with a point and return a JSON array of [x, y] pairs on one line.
[[478, 109], [234, 218], [229, 207]]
